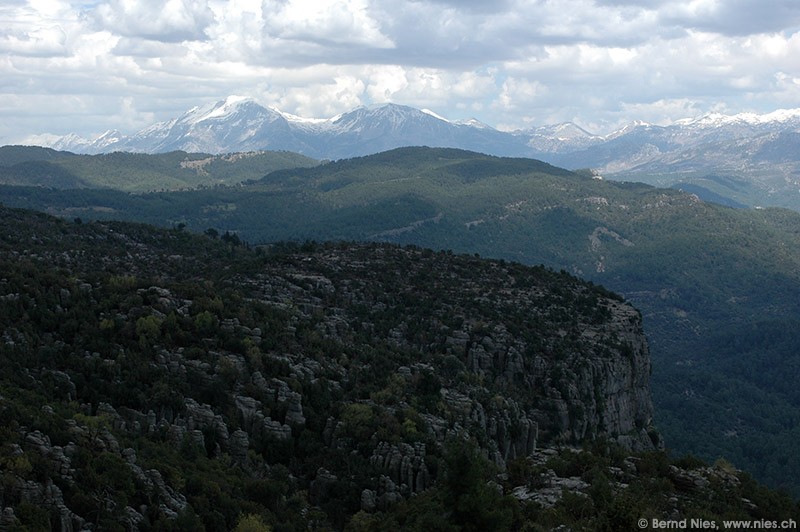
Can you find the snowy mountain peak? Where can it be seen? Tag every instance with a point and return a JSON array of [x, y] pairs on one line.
[[709, 120], [391, 116], [109, 137], [474, 122], [431, 113], [628, 129], [782, 115], [239, 123], [569, 130], [68, 142], [393, 110], [564, 130], [712, 120], [227, 107], [637, 123], [221, 110]]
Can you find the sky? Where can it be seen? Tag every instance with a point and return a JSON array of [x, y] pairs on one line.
[[88, 66]]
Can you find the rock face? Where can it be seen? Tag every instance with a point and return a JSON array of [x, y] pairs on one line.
[[404, 465], [591, 393], [361, 361], [508, 356]]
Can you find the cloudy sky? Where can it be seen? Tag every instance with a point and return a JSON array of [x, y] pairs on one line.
[[92, 65]]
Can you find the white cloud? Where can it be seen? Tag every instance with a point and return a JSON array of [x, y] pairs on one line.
[[733, 17], [475, 85], [45, 41], [333, 22], [169, 21], [519, 93], [512, 62], [323, 100]]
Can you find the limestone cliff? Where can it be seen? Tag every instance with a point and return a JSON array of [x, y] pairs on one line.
[[519, 354]]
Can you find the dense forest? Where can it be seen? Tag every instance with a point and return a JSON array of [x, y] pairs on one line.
[[153, 379]]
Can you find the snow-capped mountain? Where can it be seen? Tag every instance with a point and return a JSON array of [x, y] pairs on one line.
[[241, 124], [715, 120], [373, 129], [709, 141], [233, 124], [559, 138], [763, 148], [70, 142], [743, 159]]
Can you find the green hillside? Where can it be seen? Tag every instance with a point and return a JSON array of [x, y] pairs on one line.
[[11, 155], [718, 287], [136, 172]]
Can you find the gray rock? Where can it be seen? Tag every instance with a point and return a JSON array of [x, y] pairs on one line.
[[389, 494], [320, 488], [294, 410], [238, 445], [259, 381], [132, 519], [403, 464], [201, 417], [48, 495], [9, 519], [369, 500]]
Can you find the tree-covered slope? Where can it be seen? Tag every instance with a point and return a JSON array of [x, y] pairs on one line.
[[138, 172], [158, 380], [701, 274]]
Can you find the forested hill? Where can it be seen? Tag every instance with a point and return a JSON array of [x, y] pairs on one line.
[[157, 380], [138, 172], [717, 286]]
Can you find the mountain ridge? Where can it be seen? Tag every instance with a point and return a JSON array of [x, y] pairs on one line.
[[238, 105], [694, 147]]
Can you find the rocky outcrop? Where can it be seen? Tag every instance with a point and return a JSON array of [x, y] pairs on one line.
[[321, 487], [202, 417], [547, 487], [170, 501], [48, 495], [590, 392], [404, 465], [522, 368], [256, 424]]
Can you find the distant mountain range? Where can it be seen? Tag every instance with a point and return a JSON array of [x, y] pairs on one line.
[[743, 160], [239, 124]]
